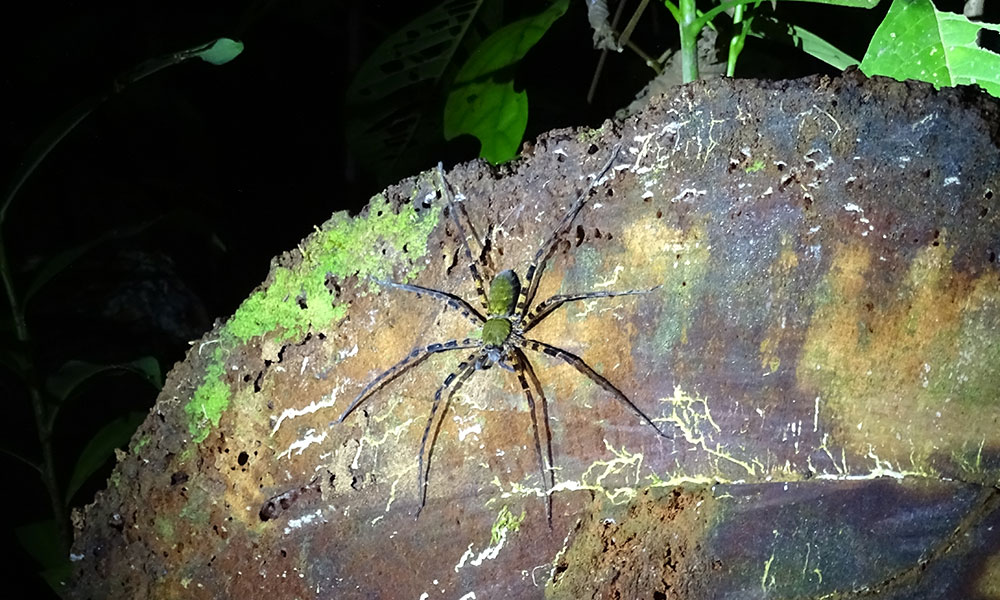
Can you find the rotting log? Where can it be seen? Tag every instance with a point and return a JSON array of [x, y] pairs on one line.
[[823, 349]]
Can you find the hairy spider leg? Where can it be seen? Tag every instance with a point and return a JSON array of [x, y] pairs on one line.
[[542, 309], [523, 366], [534, 274], [414, 358], [464, 370], [473, 263], [580, 365], [453, 301]]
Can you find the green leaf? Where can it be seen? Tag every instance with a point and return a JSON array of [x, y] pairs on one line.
[[55, 265], [100, 448], [917, 41], [13, 356], [397, 85], [72, 374], [482, 101], [33, 465], [40, 540], [149, 368], [706, 17], [803, 39], [221, 52]]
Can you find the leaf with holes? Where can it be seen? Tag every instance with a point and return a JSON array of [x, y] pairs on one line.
[[917, 41], [482, 101], [397, 85]]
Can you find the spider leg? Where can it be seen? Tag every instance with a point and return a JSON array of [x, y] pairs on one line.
[[524, 367], [542, 310], [485, 245], [537, 266], [578, 363], [453, 301], [414, 358], [473, 263], [454, 381]]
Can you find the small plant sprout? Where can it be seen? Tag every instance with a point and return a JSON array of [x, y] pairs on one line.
[[505, 322]]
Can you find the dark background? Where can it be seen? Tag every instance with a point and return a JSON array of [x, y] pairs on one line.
[[227, 167]]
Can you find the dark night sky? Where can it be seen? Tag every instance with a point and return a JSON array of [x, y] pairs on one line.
[[229, 166]]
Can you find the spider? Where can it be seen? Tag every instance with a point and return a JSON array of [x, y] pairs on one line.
[[507, 319]]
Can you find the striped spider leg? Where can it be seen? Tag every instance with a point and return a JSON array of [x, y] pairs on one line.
[[502, 339]]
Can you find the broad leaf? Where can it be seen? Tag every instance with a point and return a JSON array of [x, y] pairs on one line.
[[72, 374], [99, 449], [221, 51], [40, 540], [706, 17], [917, 41], [55, 265], [396, 84], [482, 101], [774, 29]]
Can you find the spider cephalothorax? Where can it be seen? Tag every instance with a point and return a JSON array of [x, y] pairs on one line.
[[502, 339]]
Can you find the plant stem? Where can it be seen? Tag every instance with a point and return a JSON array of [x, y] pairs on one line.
[[43, 422], [20, 325], [735, 42], [689, 30], [44, 427], [44, 414]]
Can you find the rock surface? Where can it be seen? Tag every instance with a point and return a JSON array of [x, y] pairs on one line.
[[823, 348]]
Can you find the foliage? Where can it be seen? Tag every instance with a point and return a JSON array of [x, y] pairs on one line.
[[917, 41], [483, 101], [49, 392], [389, 101]]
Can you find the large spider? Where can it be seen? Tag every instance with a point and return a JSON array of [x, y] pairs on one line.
[[503, 337]]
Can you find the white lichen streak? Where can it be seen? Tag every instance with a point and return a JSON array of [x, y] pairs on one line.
[[691, 423], [342, 354], [816, 415], [354, 463], [882, 468], [852, 207], [392, 494], [464, 433], [290, 413], [841, 468], [613, 280], [299, 445], [694, 193], [489, 553], [623, 464], [303, 520], [640, 153]]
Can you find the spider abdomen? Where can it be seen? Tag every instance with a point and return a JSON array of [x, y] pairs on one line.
[[496, 331], [504, 290]]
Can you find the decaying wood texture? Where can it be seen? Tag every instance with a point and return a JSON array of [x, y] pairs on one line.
[[823, 349]]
